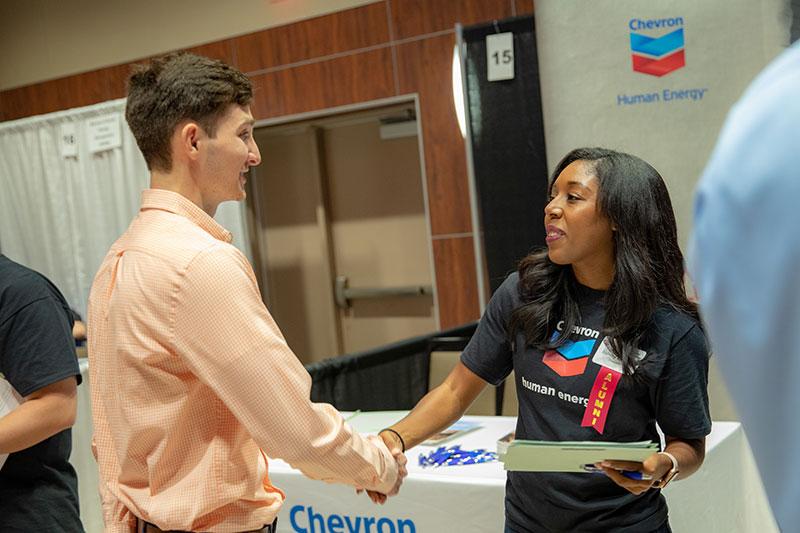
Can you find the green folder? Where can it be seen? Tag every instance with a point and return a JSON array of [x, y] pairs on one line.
[[548, 456]]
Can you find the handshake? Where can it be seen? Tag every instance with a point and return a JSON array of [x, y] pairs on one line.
[[394, 442]]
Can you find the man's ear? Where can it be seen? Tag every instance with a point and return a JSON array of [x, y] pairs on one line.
[[188, 138]]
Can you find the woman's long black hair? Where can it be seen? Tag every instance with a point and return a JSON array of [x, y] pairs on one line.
[[648, 262]]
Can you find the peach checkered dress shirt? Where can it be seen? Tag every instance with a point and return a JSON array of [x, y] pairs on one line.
[[193, 384]]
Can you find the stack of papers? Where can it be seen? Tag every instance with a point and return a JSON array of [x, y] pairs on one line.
[[453, 432], [9, 400], [548, 456], [504, 441]]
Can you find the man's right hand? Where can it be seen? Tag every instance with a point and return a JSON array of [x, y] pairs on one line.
[[402, 470], [395, 448]]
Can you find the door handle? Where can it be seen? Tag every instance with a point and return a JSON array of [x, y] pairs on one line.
[[344, 294]]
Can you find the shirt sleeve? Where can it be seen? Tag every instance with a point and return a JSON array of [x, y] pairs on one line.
[[488, 353], [682, 393], [231, 342], [37, 347]]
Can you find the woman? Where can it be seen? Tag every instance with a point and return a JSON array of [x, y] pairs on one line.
[[601, 317]]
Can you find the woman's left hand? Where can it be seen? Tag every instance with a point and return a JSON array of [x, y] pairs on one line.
[[652, 469]]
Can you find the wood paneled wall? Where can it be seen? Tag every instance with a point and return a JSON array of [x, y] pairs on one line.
[[384, 49]]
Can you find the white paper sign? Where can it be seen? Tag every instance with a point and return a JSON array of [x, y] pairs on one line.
[[104, 133], [9, 400], [68, 140], [500, 56]]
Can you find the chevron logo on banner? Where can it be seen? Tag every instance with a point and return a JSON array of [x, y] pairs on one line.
[[658, 56], [570, 358]]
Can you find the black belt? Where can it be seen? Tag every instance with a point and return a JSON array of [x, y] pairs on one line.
[[147, 527]]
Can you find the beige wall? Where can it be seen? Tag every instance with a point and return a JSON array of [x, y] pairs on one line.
[[727, 42], [47, 39]]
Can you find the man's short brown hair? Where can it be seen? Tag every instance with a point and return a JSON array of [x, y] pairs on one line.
[[179, 87]]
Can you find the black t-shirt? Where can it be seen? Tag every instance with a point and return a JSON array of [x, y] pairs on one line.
[[38, 486], [553, 390]]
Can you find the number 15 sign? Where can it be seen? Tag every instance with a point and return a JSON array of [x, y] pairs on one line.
[[500, 56]]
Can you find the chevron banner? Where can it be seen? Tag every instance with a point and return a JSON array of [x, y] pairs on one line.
[[658, 56]]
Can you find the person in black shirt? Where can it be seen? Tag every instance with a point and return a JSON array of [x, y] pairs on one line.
[[604, 345], [38, 486]]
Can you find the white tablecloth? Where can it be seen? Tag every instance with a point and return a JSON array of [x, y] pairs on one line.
[[452, 498], [726, 495]]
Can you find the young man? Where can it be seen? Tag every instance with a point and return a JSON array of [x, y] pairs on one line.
[[746, 247], [193, 385], [38, 486]]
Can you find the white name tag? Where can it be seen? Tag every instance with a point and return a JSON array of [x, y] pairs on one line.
[[604, 356]]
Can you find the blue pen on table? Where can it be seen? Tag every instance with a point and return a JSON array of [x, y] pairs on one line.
[[631, 474]]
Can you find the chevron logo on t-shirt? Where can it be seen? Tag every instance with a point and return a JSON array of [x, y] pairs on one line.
[[570, 358]]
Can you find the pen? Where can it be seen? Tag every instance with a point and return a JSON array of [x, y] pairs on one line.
[[635, 474], [630, 474]]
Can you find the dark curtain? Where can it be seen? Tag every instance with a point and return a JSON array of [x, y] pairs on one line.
[[391, 377], [508, 147], [795, 7]]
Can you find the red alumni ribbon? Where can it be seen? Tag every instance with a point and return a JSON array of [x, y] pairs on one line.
[[600, 399]]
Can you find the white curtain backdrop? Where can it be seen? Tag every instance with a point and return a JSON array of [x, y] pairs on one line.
[[59, 215]]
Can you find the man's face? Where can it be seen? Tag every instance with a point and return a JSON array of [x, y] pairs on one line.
[[227, 158]]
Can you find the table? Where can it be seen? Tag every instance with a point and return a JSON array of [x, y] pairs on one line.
[[726, 495], [452, 498]]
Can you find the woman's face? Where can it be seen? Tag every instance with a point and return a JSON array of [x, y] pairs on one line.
[[578, 233]]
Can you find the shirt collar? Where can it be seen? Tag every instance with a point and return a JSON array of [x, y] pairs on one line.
[[180, 205]]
